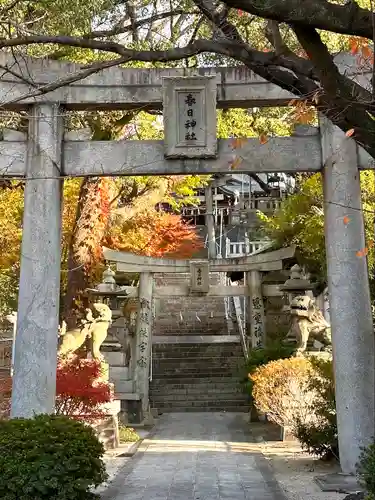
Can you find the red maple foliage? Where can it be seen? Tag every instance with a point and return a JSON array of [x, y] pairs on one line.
[[5, 395], [157, 234], [80, 390]]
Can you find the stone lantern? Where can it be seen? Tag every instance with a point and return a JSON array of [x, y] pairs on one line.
[[108, 283], [111, 294], [296, 285]]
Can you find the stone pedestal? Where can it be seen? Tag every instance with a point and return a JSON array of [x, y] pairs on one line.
[[135, 412], [107, 428]]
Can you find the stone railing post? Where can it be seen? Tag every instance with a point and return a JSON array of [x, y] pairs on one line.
[[144, 339], [210, 223], [350, 305], [256, 308], [35, 356]]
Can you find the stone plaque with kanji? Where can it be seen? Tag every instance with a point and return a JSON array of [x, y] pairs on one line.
[[200, 276], [189, 108]]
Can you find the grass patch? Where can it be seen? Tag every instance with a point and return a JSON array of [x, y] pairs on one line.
[[128, 435]]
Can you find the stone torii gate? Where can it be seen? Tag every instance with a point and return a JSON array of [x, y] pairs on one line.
[[46, 155], [199, 285]]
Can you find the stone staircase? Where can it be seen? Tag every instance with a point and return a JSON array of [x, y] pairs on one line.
[[197, 377]]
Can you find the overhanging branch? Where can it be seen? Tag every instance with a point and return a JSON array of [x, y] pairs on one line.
[[349, 19]]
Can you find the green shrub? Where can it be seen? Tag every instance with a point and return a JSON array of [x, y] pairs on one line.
[[366, 470], [281, 390], [49, 457], [262, 356], [128, 435], [319, 437]]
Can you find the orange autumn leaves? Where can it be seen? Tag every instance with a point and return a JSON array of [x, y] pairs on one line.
[[360, 47], [156, 234], [363, 252]]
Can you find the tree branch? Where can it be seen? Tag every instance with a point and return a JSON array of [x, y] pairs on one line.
[[345, 102], [349, 19], [219, 19], [118, 30], [261, 183], [273, 35]]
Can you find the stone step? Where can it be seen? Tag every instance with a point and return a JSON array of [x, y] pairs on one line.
[[200, 409], [181, 378], [202, 404], [208, 372], [195, 375], [196, 339], [189, 358], [193, 392], [198, 387], [197, 365], [222, 397], [225, 344], [198, 347], [171, 381], [182, 356], [198, 377], [196, 355]]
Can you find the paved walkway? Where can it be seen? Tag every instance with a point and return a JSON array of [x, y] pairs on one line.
[[197, 456]]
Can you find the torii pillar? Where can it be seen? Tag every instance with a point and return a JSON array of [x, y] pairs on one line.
[[35, 355], [350, 305], [143, 344]]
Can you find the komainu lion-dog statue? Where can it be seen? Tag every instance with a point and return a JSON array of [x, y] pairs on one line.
[[307, 321], [93, 328]]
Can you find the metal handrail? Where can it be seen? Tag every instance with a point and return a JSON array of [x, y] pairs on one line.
[[241, 329]]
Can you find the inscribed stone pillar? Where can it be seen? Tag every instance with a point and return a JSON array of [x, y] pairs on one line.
[[256, 308], [350, 306], [210, 223], [34, 379], [144, 339]]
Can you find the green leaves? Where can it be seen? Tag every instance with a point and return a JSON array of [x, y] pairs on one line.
[[49, 457], [300, 221]]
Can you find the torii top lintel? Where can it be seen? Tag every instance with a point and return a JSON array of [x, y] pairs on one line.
[[131, 263], [132, 88]]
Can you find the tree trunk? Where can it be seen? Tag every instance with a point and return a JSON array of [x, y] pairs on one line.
[[85, 246]]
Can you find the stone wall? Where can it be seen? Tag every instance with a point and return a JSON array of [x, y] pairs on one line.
[[188, 315]]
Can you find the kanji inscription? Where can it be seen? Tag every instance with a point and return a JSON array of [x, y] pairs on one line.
[[200, 276], [189, 107], [190, 123]]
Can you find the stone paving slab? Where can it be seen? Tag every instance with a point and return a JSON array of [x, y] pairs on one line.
[[196, 456]]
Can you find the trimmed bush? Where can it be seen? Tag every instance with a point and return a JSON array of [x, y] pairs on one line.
[[5, 395], [319, 436], [49, 457], [366, 470], [263, 355], [281, 390]]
